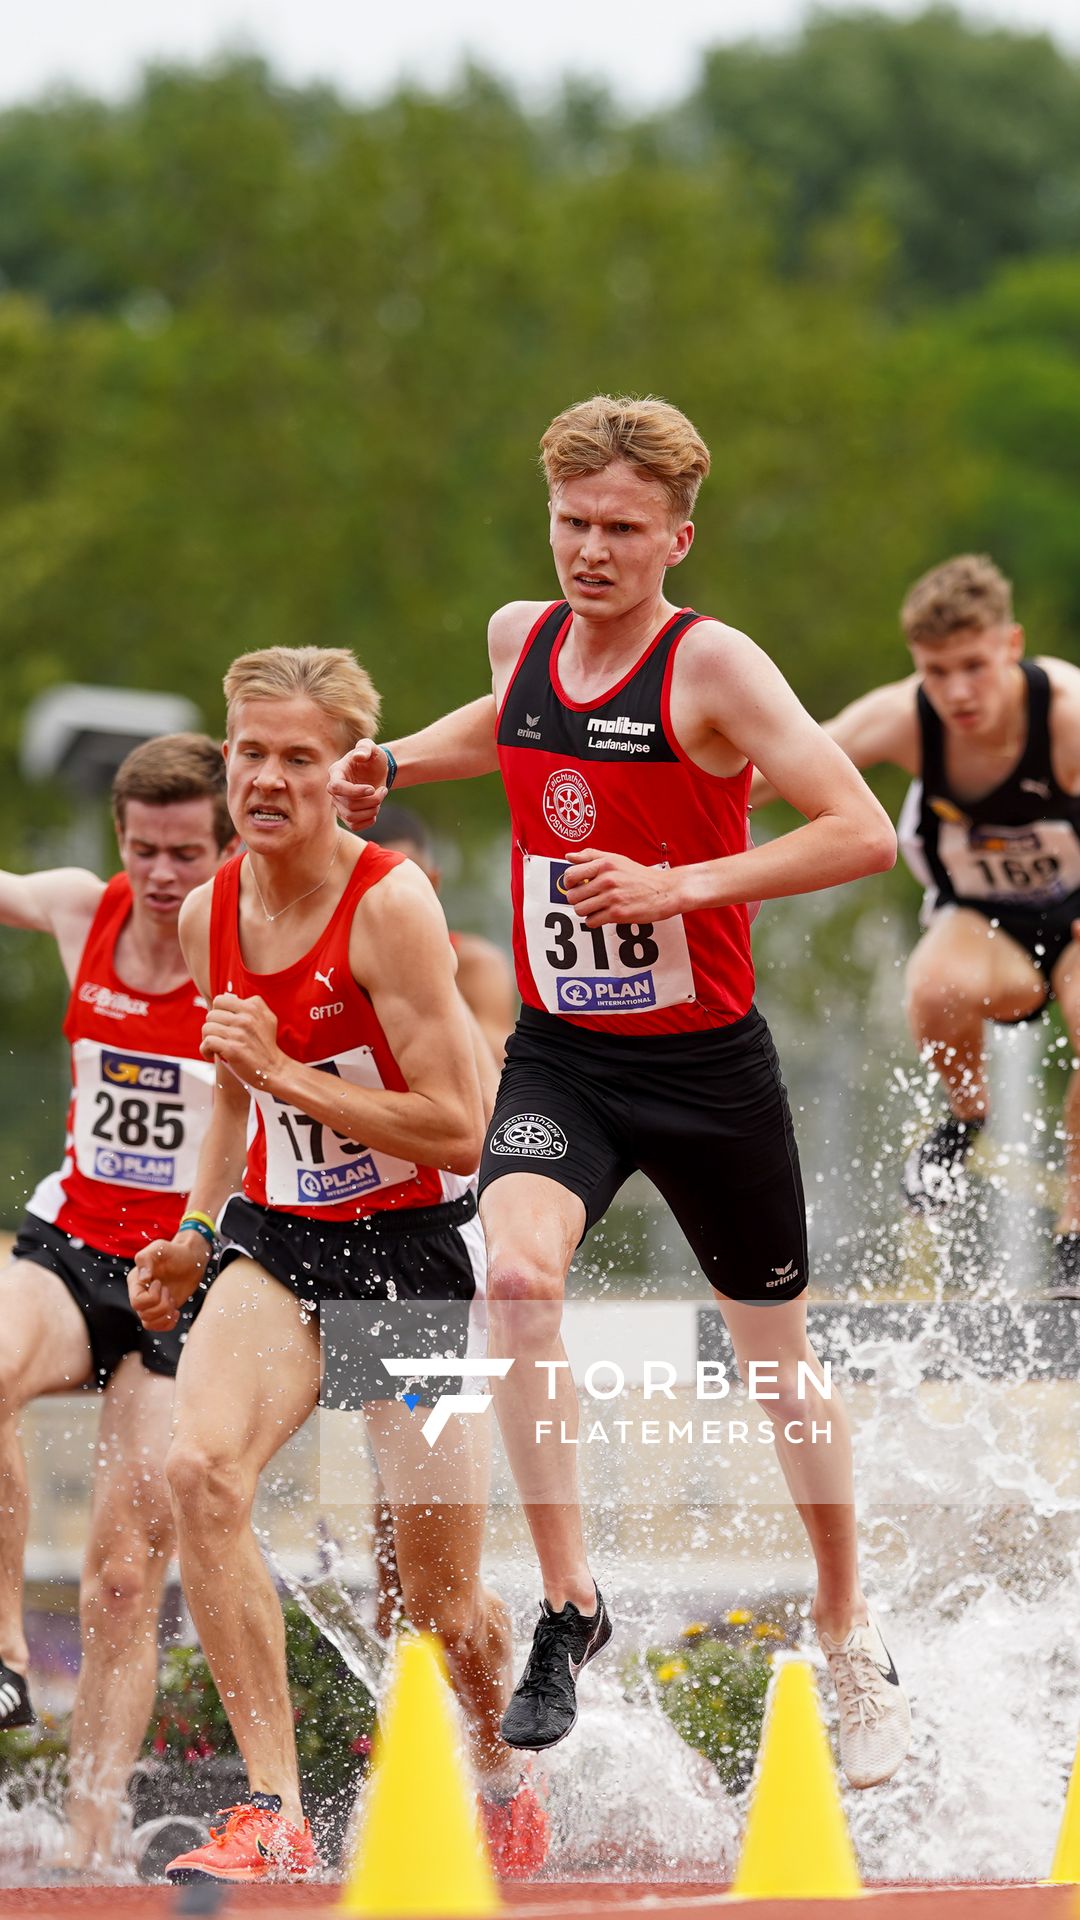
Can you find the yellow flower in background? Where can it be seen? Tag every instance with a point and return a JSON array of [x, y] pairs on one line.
[[739, 1617], [670, 1671], [696, 1628], [766, 1631]]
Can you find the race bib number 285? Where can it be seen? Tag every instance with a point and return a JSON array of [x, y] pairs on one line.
[[632, 967]]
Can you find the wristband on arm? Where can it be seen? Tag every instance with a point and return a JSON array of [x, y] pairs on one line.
[[391, 768], [201, 1224]]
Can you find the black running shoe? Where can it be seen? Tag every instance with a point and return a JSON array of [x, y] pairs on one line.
[[15, 1708], [543, 1705], [1065, 1268], [933, 1175]]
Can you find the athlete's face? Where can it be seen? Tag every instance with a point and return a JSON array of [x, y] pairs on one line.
[[167, 850], [969, 678], [279, 755], [612, 538]]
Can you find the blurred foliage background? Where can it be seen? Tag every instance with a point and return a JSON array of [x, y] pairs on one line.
[[273, 368]]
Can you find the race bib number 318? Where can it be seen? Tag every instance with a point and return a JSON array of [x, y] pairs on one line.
[[633, 967]]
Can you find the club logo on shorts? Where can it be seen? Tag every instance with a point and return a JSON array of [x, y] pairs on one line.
[[532, 1135], [569, 807]]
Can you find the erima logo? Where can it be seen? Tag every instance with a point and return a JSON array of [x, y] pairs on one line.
[[783, 1273], [449, 1403], [10, 1697], [1038, 787], [623, 724], [325, 979], [532, 719], [530, 730]]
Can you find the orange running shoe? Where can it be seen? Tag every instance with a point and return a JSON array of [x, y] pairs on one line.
[[518, 1833], [254, 1844]]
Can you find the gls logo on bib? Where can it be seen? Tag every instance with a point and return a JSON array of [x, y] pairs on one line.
[[531, 1135]]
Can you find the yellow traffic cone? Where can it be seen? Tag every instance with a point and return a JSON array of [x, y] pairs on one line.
[[1066, 1868], [796, 1845], [419, 1851]]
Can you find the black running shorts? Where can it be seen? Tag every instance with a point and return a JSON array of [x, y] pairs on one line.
[[97, 1282], [426, 1263], [1045, 937], [704, 1115]]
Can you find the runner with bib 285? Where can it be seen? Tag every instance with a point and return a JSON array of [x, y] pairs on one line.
[[625, 729], [991, 826]]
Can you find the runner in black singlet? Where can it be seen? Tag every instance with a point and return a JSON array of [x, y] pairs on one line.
[[991, 826]]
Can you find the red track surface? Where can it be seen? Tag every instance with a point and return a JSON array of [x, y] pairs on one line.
[[565, 1902]]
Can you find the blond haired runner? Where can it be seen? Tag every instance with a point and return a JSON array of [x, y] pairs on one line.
[[624, 728], [141, 1096], [991, 827], [335, 1022]]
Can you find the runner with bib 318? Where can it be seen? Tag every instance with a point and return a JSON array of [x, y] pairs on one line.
[[625, 727]]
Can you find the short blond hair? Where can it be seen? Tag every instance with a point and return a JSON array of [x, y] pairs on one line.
[[648, 434], [331, 677], [968, 591], [174, 766]]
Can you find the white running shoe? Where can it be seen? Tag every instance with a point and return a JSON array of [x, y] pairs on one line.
[[875, 1719]]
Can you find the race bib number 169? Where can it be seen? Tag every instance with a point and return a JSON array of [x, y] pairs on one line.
[[632, 967]]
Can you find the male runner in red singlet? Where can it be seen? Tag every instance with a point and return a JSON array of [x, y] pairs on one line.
[[141, 1096], [334, 1017], [625, 730], [992, 829]]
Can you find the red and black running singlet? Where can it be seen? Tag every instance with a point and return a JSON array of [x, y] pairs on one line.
[[140, 1100], [610, 774], [296, 1164]]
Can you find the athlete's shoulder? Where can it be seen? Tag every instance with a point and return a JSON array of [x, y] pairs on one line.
[[401, 896], [195, 910], [511, 625], [1063, 676]]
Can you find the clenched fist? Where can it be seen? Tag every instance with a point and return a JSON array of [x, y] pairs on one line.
[[357, 784], [165, 1274]]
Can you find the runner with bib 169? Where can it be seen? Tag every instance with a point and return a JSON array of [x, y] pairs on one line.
[[625, 728], [991, 826]]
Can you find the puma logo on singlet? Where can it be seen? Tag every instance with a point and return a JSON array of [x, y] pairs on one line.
[[325, 979]]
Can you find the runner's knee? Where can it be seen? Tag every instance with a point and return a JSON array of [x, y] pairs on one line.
[[529, 1281], [115, 1588], [210, 1491]]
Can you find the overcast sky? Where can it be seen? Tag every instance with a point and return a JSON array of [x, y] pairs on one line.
[[643, 52]]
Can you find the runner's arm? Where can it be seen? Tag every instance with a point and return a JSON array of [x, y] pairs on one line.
[[846, 836], [61, 902], [401, 955], [877, 728], [460, 746]]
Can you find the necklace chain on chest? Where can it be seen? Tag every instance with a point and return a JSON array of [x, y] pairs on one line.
[[271, 917]]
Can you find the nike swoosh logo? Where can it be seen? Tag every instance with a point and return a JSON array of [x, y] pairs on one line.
[[889, 1673]]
